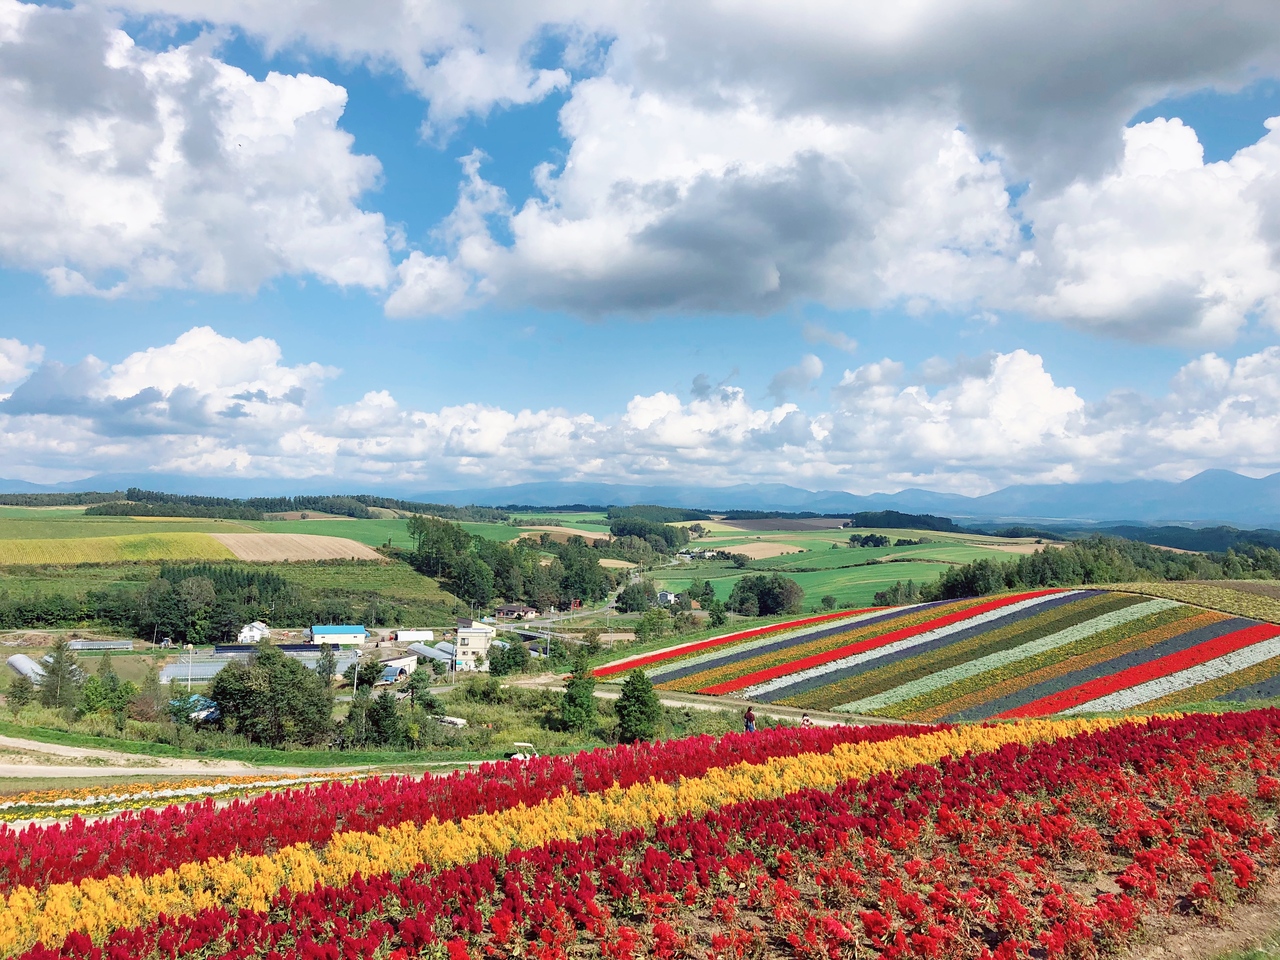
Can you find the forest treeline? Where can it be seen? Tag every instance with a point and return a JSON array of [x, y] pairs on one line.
[[209, 603], [153, 503]]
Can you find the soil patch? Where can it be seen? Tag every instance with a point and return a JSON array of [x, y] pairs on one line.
[[1175, 937], [616, 564], [278, 547]]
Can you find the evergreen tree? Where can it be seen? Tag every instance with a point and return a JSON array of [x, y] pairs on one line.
[[327, 665], [60, 685], [420, 695], [21, 692], [578, 708], [147, 702], [638, 709], [385, 727]]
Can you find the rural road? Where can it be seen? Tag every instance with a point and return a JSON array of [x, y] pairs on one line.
[[61, 763]]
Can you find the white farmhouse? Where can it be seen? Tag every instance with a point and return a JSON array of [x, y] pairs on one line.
[[254, 632]]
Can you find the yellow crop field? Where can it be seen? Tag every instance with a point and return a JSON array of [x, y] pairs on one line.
[[1225, 597], [141, 546]]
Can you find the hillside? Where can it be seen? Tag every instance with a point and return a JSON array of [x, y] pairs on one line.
[[1017, 655]]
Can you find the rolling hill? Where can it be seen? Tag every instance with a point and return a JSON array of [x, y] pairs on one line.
[[1018, 655]]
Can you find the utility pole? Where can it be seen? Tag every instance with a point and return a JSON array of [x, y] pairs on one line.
[[191, 657]]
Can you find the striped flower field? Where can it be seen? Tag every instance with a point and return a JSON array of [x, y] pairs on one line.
[[1026, 840], [1021, 655]]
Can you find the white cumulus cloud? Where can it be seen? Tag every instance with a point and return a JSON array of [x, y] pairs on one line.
[[216, 405], [127, 169]]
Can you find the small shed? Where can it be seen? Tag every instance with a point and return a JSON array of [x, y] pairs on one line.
[[398, 668], [344, 635], [415, 636]]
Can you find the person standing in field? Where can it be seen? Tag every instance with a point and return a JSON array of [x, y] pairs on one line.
[[749, 720], [805, 721]]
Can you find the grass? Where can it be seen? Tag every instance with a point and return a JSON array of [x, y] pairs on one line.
[[139, 546], [492, 531], [76, 579], [1213, 597], [852, 587], [357, 576], [374, 533], [264, 756], [78, 527], [1268, 949]]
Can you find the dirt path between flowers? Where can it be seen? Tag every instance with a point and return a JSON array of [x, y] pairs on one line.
[[1246, 926]]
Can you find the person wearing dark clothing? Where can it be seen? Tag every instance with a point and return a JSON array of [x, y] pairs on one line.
[[749, 720]]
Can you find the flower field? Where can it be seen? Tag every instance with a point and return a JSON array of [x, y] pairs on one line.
[[96, 801], [1034, 838], [1022, 655]]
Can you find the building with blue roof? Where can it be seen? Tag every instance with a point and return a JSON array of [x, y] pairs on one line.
[[343, 635]]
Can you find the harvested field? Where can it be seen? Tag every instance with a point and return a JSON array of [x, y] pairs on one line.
[[562, 534], [616, 564], [275, 547]]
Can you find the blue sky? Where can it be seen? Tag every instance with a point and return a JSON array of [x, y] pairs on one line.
[[740, 260]]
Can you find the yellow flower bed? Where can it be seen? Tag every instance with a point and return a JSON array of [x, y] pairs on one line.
[[249, 882]]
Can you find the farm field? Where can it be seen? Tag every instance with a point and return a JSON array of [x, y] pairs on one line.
[[26, 581], [284, 547], [392, 579], [373, 533], [111, 549], [1020, 655], [852, 587], [846, 573], [75, 527], [967, 842]]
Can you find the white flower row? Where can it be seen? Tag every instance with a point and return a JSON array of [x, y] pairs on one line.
[[1221, 666], [891, 648], [660, 669], [167, 793], [993, 661]]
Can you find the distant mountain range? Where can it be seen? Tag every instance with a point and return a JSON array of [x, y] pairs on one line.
[[1211, 497]]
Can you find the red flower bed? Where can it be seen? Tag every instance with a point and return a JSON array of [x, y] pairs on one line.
[[147, 842], [869, 643], [986, 856], [684, 651]]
